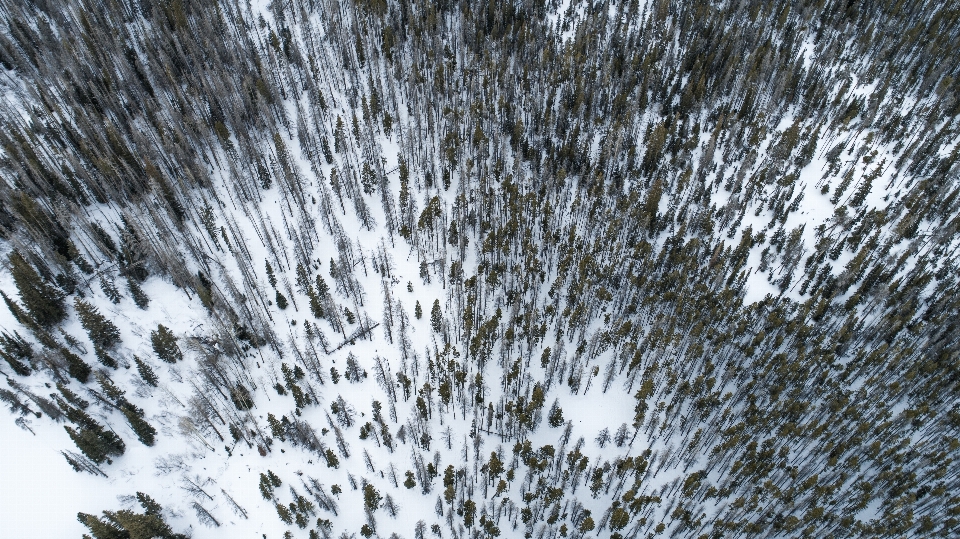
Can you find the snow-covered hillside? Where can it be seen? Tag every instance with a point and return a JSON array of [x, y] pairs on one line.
[[622, 269]]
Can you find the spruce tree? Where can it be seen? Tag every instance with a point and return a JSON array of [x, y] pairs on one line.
[[101, 529], [101, 331], [96, 443], [18, 366], [139, 296], [144, 431], [436, 316], [409, 482], [76, 367], [146, 372], [104, 357], [150, 506], [128, 524], [555, 418], [165, 344], [15, 350], [110, 290], [271, 277], [140, 526], [44, 302], [371, 498], [19, 314]]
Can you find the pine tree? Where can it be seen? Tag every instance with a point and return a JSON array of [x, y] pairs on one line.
[[418, 311], [110, 290], [271, 277], [146, 372], [436, 317], [104, 357], [101, 529], [371, 498], [150, 506], [555, 418], [44, 302], [144, 431], [128, 524], [281, 300], [19, 314], [469, 511], [409, 481], [96, 443], [101, 331], [76, 367], [165, 344], [14, 351], [140, 298], [140, 526]]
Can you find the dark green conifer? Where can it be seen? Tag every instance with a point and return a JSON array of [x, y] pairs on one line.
[[101, 529], [43, 301], [104, 357], [555, 418], [165, 344], [16, 351], [96, 443], [19, 314], [101, 331], [139, 296], [76, 367], [436, 317], [146, 372], [150, 506], [110, 290], [144, 431]]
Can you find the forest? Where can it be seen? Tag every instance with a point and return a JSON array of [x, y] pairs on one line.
[[606, 269]]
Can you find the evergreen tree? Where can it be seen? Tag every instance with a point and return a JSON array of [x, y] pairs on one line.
[[96, 443], [144, 431], [44, 302], [146, 372], [371, 498], [76, 367], [104, 357], [102, 529], [19, 314], [436, 317], [555, 417], [101, 331], [271, 277], [165, 344], [15, 351], [128, 524], [140, 297], [140, 526], [110, 289]]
